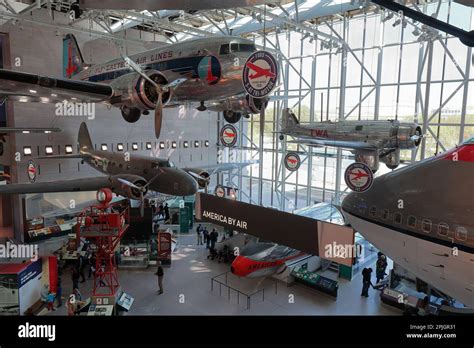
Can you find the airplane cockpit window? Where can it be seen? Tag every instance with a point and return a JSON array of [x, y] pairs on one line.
[[163, 164], [224, 49], [237, 47]]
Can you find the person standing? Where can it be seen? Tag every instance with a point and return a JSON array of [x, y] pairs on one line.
[[380, 268], [199, 234], [160, 274], [92, 264], [50, 301], [207, 239], [75, 278], [81, 265], [166, 210], [366, 281], [214, 235], [59, 292]]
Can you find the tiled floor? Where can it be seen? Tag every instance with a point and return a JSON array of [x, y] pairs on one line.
[[187, 291]]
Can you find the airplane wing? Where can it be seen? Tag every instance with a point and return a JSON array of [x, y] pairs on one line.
[[35, 88], [84, 184], [350, 145], [224, 167]]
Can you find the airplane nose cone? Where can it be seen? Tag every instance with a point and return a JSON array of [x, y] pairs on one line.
[[177, 182]]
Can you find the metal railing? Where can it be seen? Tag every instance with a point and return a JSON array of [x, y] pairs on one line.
[[239, 292]]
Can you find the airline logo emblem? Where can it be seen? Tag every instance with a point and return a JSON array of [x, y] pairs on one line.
[[219, 191], [31, 171], [292, 161], [319, 133], [228, 135], [359, 177], [260, 74], [209, 70]]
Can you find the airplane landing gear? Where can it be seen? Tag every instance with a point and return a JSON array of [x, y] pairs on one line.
[[232, 116], [202, 107]]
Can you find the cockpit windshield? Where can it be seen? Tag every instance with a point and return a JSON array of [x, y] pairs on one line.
[[237, 47], [469, 140], [163, 164]]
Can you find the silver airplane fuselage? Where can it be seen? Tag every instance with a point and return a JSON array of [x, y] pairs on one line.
[[422, 216], [182, 60], [358, 134]]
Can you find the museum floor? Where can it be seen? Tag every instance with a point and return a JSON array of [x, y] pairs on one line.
[[190, 275]]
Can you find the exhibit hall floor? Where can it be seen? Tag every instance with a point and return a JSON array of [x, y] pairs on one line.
[[187, 291]]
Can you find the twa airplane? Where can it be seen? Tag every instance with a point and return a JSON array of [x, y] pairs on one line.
[[422, 217], [370, 141], [208, 71]]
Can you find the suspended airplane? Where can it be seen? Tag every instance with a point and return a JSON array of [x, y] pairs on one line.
[[421, 216], [370, 141], [130, 178], [206, 71]]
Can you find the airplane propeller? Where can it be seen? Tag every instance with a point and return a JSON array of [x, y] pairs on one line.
[[159, 93], [142, 189]]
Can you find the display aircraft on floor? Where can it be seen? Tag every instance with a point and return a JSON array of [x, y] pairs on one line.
[[129, 176], [370, 141], [211, 71]]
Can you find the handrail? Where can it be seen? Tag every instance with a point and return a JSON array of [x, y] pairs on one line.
[[248, 296]]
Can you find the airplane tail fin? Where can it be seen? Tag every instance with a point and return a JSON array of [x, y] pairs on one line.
[[288, 120], [73, 63], [84, 138]]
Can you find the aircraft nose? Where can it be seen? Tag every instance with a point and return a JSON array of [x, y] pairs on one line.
[[178, 183]]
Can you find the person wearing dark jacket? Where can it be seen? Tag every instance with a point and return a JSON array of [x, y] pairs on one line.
[[207, 238], [166, 211], [75, 278], [213, 237], [366, 281], [380, 267], [160, 274], [81, 266]]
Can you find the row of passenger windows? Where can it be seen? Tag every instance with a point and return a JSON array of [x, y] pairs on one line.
[[426, 224], [68, 149]]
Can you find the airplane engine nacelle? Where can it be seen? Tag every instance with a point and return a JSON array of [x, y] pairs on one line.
[[200, 175], [392, 160], [371, 160], [408, 136], [123, 189], [245, 105], [133, 92]]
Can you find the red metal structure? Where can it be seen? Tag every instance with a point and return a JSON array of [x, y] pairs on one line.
[[104, 224]]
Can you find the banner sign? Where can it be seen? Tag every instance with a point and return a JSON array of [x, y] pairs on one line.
[[164, 247]]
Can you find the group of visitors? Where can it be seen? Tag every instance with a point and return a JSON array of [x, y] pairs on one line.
[[209, 238], [163, 212], [380, 267]]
